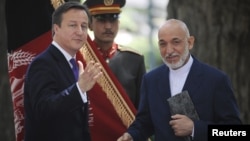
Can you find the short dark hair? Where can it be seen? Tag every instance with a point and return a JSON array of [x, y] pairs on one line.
[[57, 14]]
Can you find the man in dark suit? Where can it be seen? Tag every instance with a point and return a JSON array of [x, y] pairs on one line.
[[55, 100], [209, 88], [126, 63]]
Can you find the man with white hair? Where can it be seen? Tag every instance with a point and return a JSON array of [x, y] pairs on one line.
[[210, 90]]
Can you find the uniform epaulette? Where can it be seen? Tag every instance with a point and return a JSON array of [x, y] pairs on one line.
[[123, 48]]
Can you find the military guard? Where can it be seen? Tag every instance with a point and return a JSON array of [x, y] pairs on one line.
[[126, 63]]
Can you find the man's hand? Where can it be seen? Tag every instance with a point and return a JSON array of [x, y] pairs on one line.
[[182, 125], [125, 137], [89, 75]]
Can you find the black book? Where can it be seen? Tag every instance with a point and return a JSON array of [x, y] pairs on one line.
[[181, 103]]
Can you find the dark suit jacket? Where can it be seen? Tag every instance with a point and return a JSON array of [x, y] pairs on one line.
[[210, 91], [53, 106], [129, 67]]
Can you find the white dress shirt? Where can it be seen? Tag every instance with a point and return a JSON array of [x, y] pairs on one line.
[[178, 77]]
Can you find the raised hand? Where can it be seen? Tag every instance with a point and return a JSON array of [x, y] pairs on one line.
[[89, 75]]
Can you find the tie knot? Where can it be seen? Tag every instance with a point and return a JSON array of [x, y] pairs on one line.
[[74, 68]]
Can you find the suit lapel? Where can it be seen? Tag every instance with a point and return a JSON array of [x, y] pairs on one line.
[[62, 63], [164, 85], [193, 79]]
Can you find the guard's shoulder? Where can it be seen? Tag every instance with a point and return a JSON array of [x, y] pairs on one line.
[[128, 49]]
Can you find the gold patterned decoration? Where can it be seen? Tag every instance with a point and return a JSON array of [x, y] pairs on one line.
[[56, 3], [108, 2], [107, 85]]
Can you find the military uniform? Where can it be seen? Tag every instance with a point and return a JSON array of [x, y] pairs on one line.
[[128, 66], [126, 63]]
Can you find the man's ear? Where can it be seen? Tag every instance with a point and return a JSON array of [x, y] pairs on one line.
[[191, 42]]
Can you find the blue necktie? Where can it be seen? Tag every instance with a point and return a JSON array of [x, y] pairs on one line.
[[75, 68]]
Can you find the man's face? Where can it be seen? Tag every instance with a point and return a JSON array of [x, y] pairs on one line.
[[72, 34], [174, 45], [105, 27]]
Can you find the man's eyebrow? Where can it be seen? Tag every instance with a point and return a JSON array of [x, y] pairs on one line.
[[161, 40], [176, 38]]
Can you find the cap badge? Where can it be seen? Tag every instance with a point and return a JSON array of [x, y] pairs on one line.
[[108, 2]]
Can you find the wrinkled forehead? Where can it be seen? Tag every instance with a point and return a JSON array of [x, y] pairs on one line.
[[172, 30]]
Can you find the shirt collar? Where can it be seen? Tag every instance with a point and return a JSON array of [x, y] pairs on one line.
[[65, 54]]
